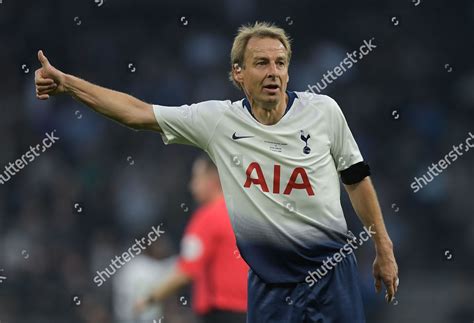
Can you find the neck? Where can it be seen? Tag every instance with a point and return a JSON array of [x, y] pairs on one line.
[[214, 196], [269, 114]]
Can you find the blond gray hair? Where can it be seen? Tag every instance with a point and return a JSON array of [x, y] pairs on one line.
[[259, 30]]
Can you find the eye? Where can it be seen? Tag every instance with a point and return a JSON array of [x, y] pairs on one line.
[[260, 63], [281, 63]]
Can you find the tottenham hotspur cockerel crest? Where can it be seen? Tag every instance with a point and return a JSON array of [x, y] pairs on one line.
[[306, 148]]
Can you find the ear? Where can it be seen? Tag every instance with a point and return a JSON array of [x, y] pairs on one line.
[[237, 70]]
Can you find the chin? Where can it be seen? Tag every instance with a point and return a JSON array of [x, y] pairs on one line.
[[272, 98]]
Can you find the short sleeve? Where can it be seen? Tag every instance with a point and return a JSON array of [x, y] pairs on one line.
[[189, 124], [344, 149]]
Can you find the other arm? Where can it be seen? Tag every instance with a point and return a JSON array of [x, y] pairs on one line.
[[365, 203]]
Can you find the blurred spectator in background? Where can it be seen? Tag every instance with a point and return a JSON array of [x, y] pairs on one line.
[[136, 280], [209, 256]]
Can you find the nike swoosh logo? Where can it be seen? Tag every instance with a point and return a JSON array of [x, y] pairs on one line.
[[235, 137]]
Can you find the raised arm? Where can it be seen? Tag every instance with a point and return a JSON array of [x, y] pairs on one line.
[[115, 105]]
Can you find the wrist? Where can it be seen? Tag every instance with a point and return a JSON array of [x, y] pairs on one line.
[[383, 245], [66, 80]]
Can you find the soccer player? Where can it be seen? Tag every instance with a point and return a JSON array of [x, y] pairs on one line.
[[279, 154], [209, 256]]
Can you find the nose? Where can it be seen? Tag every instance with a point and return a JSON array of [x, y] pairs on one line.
[[272, 70]]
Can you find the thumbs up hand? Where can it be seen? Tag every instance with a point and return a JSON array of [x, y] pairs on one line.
[[48, 80]]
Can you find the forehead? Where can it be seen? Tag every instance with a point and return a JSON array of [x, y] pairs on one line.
[[199, 167], [265, 47]]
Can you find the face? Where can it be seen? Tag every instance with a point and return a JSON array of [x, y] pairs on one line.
[[203, 182], [264, 75]]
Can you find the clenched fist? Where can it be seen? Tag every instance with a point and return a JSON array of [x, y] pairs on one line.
[[48, 80]]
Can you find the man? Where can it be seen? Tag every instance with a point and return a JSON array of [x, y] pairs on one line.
[[209, 256], [137, 279], [279, 154]]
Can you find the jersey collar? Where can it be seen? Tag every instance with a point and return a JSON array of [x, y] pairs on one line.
[[291, 97]]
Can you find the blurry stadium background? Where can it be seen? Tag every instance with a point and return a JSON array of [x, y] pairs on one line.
[[407, 103]]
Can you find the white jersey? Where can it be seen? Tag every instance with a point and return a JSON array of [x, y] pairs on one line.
[[281, 181]]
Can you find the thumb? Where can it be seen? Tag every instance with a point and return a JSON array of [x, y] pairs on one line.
[[43, 60]]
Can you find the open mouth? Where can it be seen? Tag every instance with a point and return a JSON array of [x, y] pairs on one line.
[[271, 87]]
